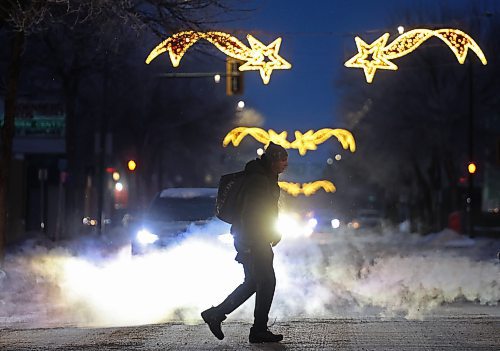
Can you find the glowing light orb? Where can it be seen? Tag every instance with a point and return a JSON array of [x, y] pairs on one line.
[[131, 165], [335, 223], [472, 168], [290, 227], [118, 186]]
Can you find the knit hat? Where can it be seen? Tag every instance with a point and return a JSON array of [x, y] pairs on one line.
[[275, 152]]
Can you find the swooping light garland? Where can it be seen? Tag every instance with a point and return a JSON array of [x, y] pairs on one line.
[[377, 55], [256, 57], [302, 142], [307, 189]]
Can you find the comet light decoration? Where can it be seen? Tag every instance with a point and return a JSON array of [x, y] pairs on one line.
[[264, 58], [302, 142], [378, 55], [307, 189]]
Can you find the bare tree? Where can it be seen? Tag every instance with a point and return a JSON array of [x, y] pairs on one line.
[[108, 19], [411, 125]]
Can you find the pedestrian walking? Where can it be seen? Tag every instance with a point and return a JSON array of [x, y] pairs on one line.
[[254, 236]]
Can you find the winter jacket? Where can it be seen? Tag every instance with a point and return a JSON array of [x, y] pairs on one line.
[[259, 202]]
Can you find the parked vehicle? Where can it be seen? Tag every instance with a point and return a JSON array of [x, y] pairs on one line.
[[325, 220], [367, 220], [171, 213]]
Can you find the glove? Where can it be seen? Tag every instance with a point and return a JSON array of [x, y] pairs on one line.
[[276, 239]]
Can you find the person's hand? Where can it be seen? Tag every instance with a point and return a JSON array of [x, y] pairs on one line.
[[276, 239]]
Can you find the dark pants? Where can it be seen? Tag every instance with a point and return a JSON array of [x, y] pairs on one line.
[[259, 279]]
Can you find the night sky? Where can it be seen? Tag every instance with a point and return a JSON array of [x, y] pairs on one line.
[[317, 39]]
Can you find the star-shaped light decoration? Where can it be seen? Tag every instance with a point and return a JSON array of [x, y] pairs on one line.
[[304, 142], [307, 189], [378, 55], [279, 139], [370, 57], [257, 59]]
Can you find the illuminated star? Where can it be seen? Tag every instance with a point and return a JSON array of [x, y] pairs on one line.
[[257, 58], [304, 142], [279, 139], [370, 57]]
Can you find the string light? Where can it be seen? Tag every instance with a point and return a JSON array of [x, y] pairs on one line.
[[377, 55], [302, 142], [258, 57], [307, 189]]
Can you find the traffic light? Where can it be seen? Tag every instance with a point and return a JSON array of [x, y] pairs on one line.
[[234, 78], [471, 168], [131, 165]]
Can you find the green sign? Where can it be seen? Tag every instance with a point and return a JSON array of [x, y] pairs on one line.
[[44, 126]]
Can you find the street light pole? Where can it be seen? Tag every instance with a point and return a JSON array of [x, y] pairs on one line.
[[470, 191], [101, 162]]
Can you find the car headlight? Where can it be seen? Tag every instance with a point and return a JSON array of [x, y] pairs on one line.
[[312, 223], [145, 237], [290, 227], [335, 223], [355, 224]]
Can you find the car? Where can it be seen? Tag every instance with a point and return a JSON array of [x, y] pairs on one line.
[[292, 225], [169, 216], [367, 220], [324, 220]]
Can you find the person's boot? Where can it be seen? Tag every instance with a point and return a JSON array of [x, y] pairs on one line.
[[214, 319], [263, 335]]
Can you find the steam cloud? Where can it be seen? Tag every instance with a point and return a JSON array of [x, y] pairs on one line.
[[328, 277], [249, 117]]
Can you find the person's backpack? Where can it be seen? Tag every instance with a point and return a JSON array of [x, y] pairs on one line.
[[228, 205]]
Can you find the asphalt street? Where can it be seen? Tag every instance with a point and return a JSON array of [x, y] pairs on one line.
[[479, 331], [391, 292]]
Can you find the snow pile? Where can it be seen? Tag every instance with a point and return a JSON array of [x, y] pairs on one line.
[[403, 280], [449, 238]]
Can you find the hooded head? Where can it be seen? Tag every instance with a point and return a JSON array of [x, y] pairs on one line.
[[276, 156], [275, 152]]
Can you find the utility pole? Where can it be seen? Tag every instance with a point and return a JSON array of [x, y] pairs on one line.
[[103, 128], [470, 189]]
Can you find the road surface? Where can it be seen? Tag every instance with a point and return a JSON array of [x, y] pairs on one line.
[[342, 292], [466, 332]]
